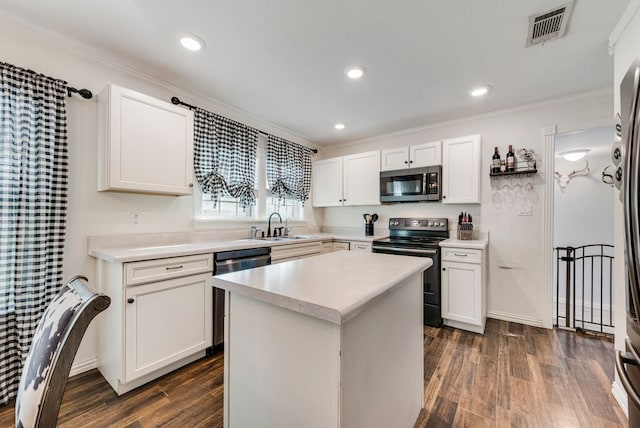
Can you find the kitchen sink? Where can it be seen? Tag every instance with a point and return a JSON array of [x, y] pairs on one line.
[[286, 238]]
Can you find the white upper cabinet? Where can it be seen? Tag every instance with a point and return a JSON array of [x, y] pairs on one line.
[[347, 180], [427, 154], [145, 144], [327, 183], [394, 159], [361, 185], [461, 170]]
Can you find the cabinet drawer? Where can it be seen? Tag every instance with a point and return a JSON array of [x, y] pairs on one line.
[[360, 246], [467, 255], [160, 269], [295, 250]]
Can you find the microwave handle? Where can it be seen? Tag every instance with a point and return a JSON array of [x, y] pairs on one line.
[[424, 183]]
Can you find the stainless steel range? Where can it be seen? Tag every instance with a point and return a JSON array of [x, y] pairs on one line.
[[419, 237]]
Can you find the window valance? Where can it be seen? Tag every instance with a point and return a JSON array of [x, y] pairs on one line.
[[225, 157], [288, 168]]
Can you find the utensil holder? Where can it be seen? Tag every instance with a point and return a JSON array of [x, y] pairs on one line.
[[368, 229], [465, 231]]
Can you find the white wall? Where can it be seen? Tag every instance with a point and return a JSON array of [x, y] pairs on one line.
[[514, 241], [583, 215], [91, 212], [583, 211]]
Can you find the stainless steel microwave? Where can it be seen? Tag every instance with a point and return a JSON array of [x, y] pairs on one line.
[[411, 185]]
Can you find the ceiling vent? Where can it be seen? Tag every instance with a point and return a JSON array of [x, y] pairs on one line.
[[549, 25]]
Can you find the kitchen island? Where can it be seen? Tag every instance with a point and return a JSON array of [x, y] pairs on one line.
[[327, 341]]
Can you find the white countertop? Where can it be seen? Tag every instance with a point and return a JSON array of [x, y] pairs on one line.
[[480, 243], [133, 253], [333, 287]]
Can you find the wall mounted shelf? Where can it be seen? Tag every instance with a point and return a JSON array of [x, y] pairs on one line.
[[519, 170]]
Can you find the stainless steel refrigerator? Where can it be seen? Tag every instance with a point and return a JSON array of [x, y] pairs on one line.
[[626, 154]]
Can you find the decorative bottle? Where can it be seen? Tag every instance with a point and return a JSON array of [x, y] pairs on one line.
[[495, 161], [511, 160]]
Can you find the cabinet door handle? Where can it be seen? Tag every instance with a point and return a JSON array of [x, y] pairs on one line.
[[130, 300], [174, 267], [444, 197], [190, 184], [444, 268], [410, 161], [406, 162], [460, 255]]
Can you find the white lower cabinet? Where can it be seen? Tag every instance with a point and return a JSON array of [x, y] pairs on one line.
[[340, 246], [464, 289], [165, 322], [360, 246], [160, 317], [285, 253], [331, 246]]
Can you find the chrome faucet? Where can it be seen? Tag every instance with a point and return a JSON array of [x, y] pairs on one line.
[[254, 232], [269, 226]]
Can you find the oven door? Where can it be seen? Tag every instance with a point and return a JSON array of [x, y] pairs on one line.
[[430, 279]]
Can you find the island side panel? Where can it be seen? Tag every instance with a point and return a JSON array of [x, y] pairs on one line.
[[281, 367], [382, 360]]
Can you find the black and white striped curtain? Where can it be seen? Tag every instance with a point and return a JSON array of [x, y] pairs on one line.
[[225, 157], [33, 205], [288, 169]]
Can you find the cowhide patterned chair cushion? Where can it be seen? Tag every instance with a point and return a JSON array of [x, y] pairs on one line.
[[53, 348]]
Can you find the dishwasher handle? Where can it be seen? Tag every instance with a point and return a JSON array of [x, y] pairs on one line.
[[234, 265]]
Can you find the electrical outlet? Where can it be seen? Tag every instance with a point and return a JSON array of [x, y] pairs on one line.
[[526, 210], [135, 218]]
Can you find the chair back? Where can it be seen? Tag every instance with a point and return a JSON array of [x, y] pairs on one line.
[[53, 348]]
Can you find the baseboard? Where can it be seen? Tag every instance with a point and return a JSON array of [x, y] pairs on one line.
[[83, 366], [606, 309], [505, 316], [620, 395]]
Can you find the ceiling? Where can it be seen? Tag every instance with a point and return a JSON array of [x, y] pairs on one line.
[[284, 60]]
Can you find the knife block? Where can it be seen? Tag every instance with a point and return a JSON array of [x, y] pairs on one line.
[[465, 231]]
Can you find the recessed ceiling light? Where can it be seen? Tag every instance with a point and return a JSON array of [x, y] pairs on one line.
[[339, 126], [355, 72], [191, 42], [479, 91], [574, 155]]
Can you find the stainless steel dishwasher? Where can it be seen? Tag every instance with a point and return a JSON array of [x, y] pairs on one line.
[[232, 261]]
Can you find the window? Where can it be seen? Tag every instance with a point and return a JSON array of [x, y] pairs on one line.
[[228, 207]]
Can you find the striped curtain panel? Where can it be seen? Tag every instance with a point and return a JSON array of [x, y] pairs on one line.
[[33, 193], [288, 169], [225, 157]]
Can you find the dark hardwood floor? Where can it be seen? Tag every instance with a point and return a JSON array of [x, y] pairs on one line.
[[512, 376]]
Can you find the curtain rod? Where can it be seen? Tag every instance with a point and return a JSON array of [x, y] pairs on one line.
[[84, 93], [177, 101]]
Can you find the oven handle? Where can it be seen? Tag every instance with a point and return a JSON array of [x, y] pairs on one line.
[[406, 250]]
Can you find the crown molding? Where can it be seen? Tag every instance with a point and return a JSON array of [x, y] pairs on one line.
[[623, 23]]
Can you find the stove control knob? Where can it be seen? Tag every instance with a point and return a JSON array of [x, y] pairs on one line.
[[441, 224], [430, 224]]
